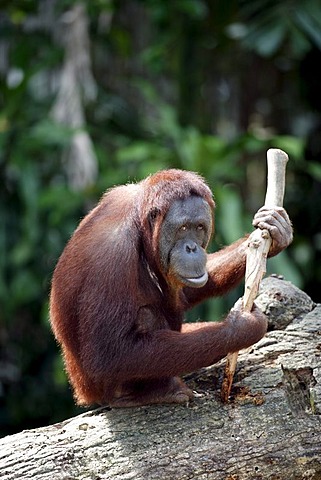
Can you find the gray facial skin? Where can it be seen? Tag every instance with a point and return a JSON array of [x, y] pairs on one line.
[[184, 236]]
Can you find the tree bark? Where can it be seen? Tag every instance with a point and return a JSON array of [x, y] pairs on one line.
[[270, 430]]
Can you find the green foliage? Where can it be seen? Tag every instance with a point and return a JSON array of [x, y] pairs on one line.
[[271, 26]]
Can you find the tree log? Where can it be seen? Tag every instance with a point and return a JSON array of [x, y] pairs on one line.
[[270, 430]]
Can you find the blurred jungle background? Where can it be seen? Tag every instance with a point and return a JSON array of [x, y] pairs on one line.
[[103, 92]]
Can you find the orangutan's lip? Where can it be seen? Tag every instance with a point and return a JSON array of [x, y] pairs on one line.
[[197, 282]]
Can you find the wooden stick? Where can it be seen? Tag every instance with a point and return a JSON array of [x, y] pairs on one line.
[[258, 249]]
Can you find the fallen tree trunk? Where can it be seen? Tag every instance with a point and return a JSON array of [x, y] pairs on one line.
[[270, 430]]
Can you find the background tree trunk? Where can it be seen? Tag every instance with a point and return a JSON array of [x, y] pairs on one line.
[[270, 430]]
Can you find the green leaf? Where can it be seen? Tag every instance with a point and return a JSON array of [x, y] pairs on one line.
[[270, 39], [140, 151], [24, 288], [49, 133], [59, 375], [282, 265], [229, 207], [293, 146], [314, 170], [310, 23]]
